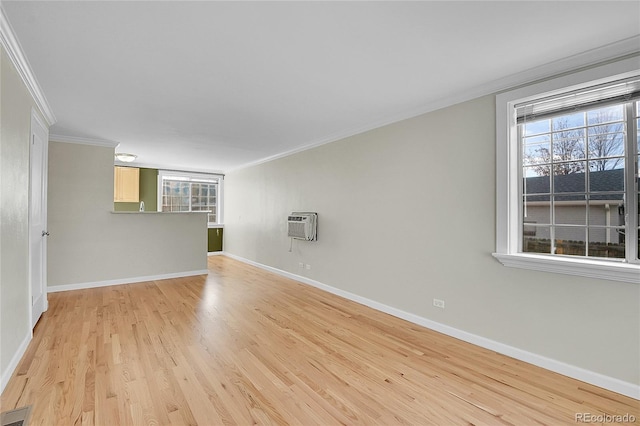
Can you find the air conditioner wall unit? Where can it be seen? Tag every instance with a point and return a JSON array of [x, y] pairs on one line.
[[303, 226]]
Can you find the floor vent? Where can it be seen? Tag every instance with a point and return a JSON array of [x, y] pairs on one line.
[[17, 417]]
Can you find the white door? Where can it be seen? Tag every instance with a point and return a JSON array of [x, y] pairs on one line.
[[38, 217]]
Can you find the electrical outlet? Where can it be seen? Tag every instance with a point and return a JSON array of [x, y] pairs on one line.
[[301, 265], [438, 303], [308, 266]]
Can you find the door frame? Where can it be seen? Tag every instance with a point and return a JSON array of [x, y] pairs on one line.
[[36, 120]]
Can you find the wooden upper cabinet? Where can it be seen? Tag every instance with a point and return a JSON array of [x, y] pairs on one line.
[[126, 184]]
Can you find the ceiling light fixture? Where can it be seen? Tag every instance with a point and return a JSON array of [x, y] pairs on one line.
[[125, 158]]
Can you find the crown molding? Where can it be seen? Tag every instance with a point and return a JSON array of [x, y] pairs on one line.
[[112, 144], [84, 141], [171, 168], [599, 56], [608, 53], [11, 44]]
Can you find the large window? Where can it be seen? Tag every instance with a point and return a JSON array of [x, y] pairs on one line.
[[190, 192], [573, 168], [568, 186]]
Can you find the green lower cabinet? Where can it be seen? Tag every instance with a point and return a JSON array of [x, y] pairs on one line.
[[215, 239]]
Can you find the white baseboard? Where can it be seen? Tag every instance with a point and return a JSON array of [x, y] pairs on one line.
[[215, 253], [597, 379], [81, 286], [15, 360]]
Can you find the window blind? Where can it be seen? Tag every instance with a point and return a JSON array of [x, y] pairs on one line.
[[590, 97]]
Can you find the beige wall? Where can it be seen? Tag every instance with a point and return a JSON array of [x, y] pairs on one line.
[[15, 125], [407, 214], [90, 244]]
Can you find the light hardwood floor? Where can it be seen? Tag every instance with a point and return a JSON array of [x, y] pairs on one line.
[[243, 346]]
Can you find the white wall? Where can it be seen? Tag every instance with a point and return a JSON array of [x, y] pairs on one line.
[[15, 125], [407, 214], [89, 244]]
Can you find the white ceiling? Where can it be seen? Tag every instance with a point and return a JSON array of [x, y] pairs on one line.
[[213, 86]]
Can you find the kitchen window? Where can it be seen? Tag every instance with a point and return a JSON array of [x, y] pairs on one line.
[[191, 192]]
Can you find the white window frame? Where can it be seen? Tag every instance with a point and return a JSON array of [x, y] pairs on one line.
[[508, 208], [191, 176]]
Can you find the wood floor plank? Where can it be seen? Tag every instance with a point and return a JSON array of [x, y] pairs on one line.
[[244, 346]]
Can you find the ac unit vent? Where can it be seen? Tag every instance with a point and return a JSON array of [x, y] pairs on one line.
[[302, 226]]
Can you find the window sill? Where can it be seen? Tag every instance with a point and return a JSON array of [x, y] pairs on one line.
[[590, 268]]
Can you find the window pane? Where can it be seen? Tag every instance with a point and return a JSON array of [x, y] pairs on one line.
[[537, 149], [530, 173], [536, 127], [569, 177], [606, 114], [569, 145], [568, 121], [196, 200], [184, 194], [536, 239], [539, 139], [606, 242], [605, 144], [570, 240], [606, 210], [605, 175], [570, 211], [536, 184], [537, 209], [606, 179], [175, 195], [573, 189]]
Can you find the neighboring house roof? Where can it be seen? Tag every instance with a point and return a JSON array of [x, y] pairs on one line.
[[603, 185]]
